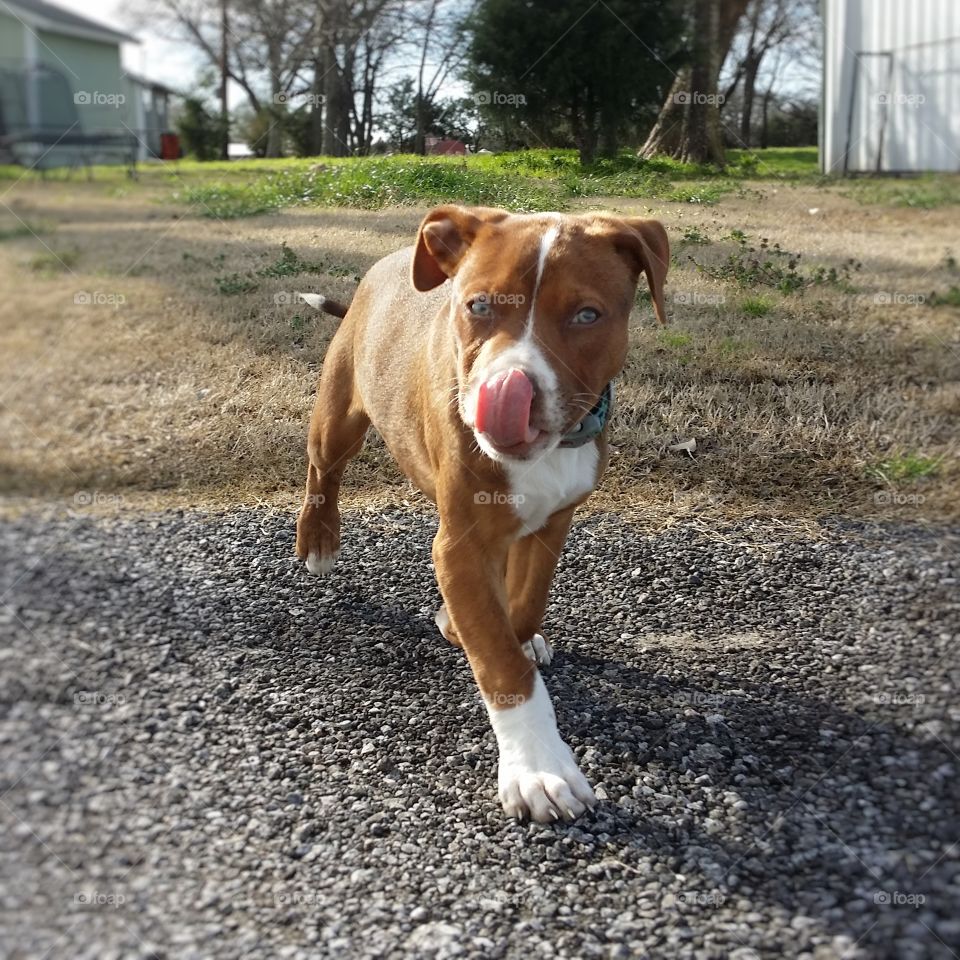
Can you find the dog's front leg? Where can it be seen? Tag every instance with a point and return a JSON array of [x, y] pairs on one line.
[[538, 776]]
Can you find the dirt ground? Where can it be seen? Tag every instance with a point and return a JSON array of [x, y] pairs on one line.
[[150, 356]]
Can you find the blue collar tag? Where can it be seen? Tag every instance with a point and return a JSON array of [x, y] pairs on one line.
[[593, 423]]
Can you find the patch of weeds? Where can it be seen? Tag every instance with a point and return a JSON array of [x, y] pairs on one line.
[[679, 346], [289, 264], [750, 193], [534, 163], [54, 261], [730, 347], [600, 182], [908, 467], [694, 235], [227, 201], [949, 299], [25, 229], [924, 193], [767, 264], [838, 277], [234, 284], [676, 341], [703, 193], [756, 306], [744, 166], [193, 262], [338, 271], [949, 262]]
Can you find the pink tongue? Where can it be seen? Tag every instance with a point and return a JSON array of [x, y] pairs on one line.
[[503, 409]]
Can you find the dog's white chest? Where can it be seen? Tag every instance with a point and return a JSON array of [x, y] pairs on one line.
[[541, 487]]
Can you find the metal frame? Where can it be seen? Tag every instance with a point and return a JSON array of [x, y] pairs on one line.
[[29, 142], [860, 54]]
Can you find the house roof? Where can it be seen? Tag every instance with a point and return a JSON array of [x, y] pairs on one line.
[[151, 84], [47, 16]]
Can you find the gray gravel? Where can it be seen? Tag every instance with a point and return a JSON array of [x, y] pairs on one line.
[[206, 753]]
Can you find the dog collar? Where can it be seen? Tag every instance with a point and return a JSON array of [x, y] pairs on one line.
[[593, 423]]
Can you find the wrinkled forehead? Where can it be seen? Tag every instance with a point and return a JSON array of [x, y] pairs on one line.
[[518, 254], [511, 255]]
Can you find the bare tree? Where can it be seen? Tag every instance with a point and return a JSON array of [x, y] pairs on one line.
[[330, 53], [769, 27], [353, 38], [688, 127], [265, 48], [439, 33], [769, 23], [277, 43]]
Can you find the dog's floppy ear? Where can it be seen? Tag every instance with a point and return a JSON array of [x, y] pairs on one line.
[[445, 236], [645, 243]]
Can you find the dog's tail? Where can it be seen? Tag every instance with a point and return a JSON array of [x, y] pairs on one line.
[[319, 302]]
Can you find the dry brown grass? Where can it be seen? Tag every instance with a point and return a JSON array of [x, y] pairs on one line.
[[183, 394]]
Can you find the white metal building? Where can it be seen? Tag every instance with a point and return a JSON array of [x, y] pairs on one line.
[[891, 86]]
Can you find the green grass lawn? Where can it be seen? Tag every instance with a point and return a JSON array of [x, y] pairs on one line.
[[519, 180], [526, 180], [522, 180]]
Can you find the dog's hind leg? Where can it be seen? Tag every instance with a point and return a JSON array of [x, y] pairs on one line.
[[442, 620], [337, 430]]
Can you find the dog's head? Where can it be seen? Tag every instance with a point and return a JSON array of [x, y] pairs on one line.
[[539, 310]]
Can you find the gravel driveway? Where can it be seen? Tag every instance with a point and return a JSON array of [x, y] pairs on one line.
[[206, 753]]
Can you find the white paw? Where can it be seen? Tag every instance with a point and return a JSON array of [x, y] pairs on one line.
[[442, 620], [545, 795], [320, 566], [538, 776], [538, 649]]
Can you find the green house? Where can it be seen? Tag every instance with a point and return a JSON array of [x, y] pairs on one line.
[[64, 97]]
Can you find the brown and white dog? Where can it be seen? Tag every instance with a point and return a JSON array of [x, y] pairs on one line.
[[483, 356]]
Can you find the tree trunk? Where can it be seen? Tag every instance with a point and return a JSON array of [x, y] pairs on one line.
[[347, 100], [363, 118], [665, 139], [584, 129], [316, 107], [369, 89], [224, 75], [750, 70], [334, 144], [276, 111], [420, 136], [701, 129], [675, 126], [766, 111], [608, 136], [588, 147]]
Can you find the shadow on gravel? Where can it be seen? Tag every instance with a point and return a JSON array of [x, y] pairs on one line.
[[190, 722], [806, 799]]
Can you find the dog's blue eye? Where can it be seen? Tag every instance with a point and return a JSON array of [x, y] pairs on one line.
[[586, 316], [480, 307]]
